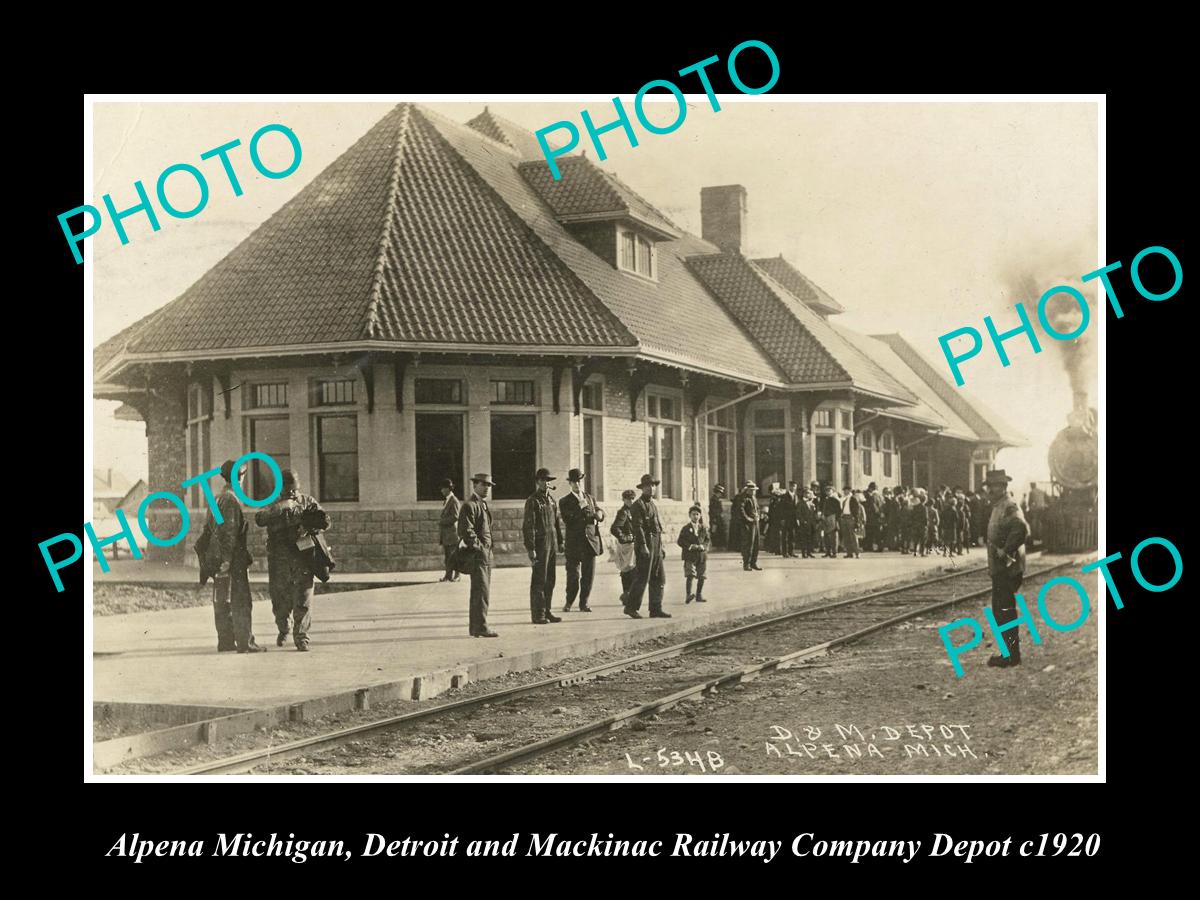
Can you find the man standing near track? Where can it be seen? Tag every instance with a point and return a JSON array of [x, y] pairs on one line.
[[1006, 534], [475, 529], [581, 517], [648, 548], [543, 533]]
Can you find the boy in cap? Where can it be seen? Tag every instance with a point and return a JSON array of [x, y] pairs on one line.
[[694, 541], [622, 530]]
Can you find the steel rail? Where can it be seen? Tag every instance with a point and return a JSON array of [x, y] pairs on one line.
[[244, 762], [749, 673]]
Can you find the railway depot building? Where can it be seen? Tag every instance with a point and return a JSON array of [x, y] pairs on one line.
[[434, 304]]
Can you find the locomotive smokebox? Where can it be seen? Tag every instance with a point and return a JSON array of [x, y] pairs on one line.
[[1070, 521]]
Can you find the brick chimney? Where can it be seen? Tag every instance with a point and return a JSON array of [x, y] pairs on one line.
[[723, 216]]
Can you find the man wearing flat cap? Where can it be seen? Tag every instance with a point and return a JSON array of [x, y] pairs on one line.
[[543, 533], [747, 510], [1006, 534], [448, 527], [581, 517], [475, 530], [648, 549]]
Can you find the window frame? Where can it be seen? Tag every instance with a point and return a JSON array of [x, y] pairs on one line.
[[198, 450], [753, 431], [459, 404], [460, 477], [656, 427], [513, 404], [248, 423], [318, 481], [593, 417], [639, 240], [714, 428], [514, 410], [250, 395], [316, 390]]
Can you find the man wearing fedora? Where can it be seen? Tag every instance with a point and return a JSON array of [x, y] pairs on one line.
[[648, 549], [1006, 534], [448, 527], [475, 529], [543, 533], [581, 517], [746, 508]]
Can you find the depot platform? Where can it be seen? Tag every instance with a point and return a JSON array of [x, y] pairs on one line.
[[411, 642]]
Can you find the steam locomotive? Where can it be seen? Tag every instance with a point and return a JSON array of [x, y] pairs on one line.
[[1069, 522]]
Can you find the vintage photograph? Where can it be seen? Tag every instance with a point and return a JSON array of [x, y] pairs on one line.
[[655, 468]]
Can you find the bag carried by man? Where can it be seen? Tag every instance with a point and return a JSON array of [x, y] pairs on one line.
[[622, 555]]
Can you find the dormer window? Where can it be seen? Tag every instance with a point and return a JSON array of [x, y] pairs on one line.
[[635, 252]]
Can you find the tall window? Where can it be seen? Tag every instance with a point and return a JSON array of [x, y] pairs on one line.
[[591, 402], [720, 427], [845, 462], [886, 445], [825, 458], [440, 445], [337, 457], [514, 455], [866, 443], [439, 453], [272, 437], [769, 438], [199, 437], [663, 414]]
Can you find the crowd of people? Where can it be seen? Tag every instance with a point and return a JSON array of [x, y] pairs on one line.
[[799, 524], [794, 524]]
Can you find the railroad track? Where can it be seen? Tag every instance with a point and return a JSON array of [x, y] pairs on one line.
[[822, 628]]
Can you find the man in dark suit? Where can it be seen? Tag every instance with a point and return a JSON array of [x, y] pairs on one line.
[[448, 527], [542, 530], [581, 517], [716, 515], [475, 529], [789, 509], [648, 549], [1006, 534], [831, 510], [746, 508], [874, 512], [230, 564]]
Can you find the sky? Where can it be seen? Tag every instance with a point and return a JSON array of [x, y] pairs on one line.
[[919, 218]]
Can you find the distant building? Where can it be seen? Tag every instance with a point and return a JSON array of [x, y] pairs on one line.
[[434, 304], [112, 491]]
